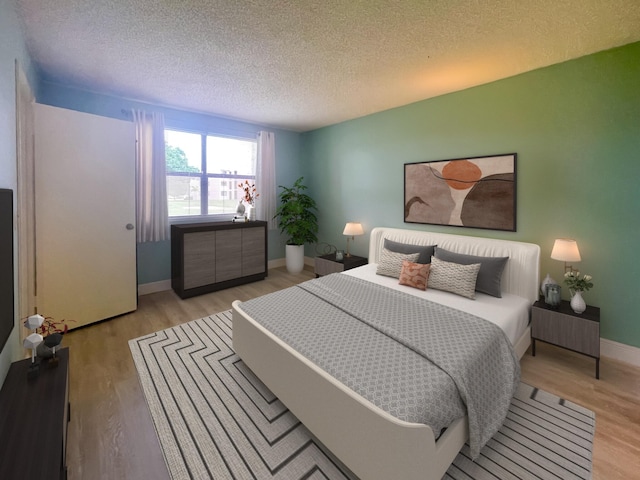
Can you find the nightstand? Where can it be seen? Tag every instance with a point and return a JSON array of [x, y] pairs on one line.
[[327, 264], [565, 328]]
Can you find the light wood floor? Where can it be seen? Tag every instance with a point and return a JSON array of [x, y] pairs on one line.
[[111, 435]]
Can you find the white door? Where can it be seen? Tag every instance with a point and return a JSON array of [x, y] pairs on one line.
[[85, 212]]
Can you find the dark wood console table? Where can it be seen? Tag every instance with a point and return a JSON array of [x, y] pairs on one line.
[[33, 421], [206, 257]]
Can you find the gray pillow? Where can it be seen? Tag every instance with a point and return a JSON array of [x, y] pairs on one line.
[[490, 274], [425, 251], [453, 277], [390, 263]]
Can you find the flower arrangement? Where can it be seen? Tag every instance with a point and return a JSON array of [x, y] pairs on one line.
[[577, 283], [250, 192], [49, 326]]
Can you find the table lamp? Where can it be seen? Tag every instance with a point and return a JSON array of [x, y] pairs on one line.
[[351, 229], [566, 250]]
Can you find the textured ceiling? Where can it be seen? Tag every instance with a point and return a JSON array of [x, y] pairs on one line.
[[305, 64]]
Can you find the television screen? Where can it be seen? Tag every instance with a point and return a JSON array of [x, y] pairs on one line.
[[6, 265]]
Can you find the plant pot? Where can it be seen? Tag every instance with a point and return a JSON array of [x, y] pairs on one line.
[[294, 258]]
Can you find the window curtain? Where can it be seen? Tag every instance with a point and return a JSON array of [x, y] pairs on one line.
[[152, 214], [266, 179]]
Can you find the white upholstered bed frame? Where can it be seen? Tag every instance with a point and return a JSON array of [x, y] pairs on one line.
[[369, 441]]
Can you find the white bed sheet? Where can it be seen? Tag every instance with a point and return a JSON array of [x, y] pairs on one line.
[[510, 313]]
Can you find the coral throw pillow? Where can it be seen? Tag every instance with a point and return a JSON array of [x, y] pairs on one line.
[[414, 274]]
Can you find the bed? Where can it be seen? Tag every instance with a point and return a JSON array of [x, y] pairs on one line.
[[371, 442]]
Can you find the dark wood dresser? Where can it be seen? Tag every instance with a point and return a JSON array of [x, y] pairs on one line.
[[206, 257]]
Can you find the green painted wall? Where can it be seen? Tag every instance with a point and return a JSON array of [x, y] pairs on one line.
[[576, 129]]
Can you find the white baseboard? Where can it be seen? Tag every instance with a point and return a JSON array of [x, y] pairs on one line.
[[153, 287], [278, 262], [281, 262], [620, 351]]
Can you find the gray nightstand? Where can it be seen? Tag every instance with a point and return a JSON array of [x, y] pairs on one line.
[[326, 264], [567, 329]]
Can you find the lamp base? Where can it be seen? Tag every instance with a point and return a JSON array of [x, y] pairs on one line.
[[348, 254]]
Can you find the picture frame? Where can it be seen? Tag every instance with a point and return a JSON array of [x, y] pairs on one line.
[[472, 192]]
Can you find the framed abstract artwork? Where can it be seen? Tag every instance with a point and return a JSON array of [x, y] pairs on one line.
[[476, 192]]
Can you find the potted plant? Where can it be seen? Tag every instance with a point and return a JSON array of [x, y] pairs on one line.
[[298, 221]]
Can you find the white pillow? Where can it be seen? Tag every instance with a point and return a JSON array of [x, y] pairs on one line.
[[454, 277], [390, 263]]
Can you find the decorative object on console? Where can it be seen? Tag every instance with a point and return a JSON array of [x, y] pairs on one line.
[[240, 213], [566, 250], [250, 196], [351, 229], [52, 332], [476, 192], [32, 341], [552, 295], [577, 285], [250, 192], [34, 321], [251, 213], [577, 303]]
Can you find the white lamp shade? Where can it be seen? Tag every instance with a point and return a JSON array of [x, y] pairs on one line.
[[565, 250], [32, 341], [33, 322], [353, 228]]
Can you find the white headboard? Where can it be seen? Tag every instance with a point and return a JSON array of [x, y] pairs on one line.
[[521, 275]]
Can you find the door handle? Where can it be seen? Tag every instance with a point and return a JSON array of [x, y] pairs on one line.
[[129, 226]]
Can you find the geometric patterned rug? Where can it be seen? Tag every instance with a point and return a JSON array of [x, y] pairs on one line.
[[215, 419]]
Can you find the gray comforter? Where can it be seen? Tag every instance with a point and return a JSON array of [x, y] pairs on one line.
[[420, 361]]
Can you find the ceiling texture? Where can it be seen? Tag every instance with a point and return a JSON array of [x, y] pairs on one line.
[[305, 64]]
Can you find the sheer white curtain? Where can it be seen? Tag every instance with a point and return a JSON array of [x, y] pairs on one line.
[[152, 214], [266, 179]]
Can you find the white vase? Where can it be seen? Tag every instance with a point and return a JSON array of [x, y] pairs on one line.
[[251, 213], [578, 304], [294, 258]]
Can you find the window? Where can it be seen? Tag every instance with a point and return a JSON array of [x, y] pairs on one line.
[[203, 172]]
